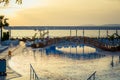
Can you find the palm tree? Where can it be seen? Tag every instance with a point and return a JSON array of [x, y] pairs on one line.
[[117, 35], [114, 36], [111, 37], [3, 22], [6, 2]]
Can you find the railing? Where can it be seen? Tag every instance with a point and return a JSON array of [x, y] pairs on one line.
[[33, 75], [92, 76], [20, 37], [62, 27]]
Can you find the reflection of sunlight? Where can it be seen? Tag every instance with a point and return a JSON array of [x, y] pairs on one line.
[[87, 49]]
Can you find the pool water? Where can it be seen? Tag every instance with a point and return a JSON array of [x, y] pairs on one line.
[[66, 63]]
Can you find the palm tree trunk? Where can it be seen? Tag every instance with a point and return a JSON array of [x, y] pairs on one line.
[[1, 34]]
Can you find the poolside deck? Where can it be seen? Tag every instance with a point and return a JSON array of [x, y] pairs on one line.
[[11, 74], [3, 48]]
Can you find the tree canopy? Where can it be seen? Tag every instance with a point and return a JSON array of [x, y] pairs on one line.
[[3, 21], [6, 2]]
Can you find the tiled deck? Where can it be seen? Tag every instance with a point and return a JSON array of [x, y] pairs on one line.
[[10, 72]]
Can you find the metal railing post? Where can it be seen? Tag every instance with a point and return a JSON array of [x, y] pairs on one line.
[[30, 72], [33, 75], [92, 76]]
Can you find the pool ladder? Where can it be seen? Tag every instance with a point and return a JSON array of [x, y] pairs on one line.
[[92, 76], [33, 75]]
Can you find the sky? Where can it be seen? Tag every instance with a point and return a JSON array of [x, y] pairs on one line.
[[62, 12]]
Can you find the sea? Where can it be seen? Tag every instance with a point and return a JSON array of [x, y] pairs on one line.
[[61, 33]]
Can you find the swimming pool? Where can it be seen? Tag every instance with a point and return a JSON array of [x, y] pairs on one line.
[[71, 62]]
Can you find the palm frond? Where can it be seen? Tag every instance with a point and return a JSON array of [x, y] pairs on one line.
[[6, 2]]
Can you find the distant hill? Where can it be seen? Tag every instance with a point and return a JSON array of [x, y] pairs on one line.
[[111, 25], [101, 25]]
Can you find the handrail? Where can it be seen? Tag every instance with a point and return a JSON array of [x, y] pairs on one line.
[[63, 27], [33, 75], [92, 76]]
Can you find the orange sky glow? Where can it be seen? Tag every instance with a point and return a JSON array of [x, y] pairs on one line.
[[63, 12]]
